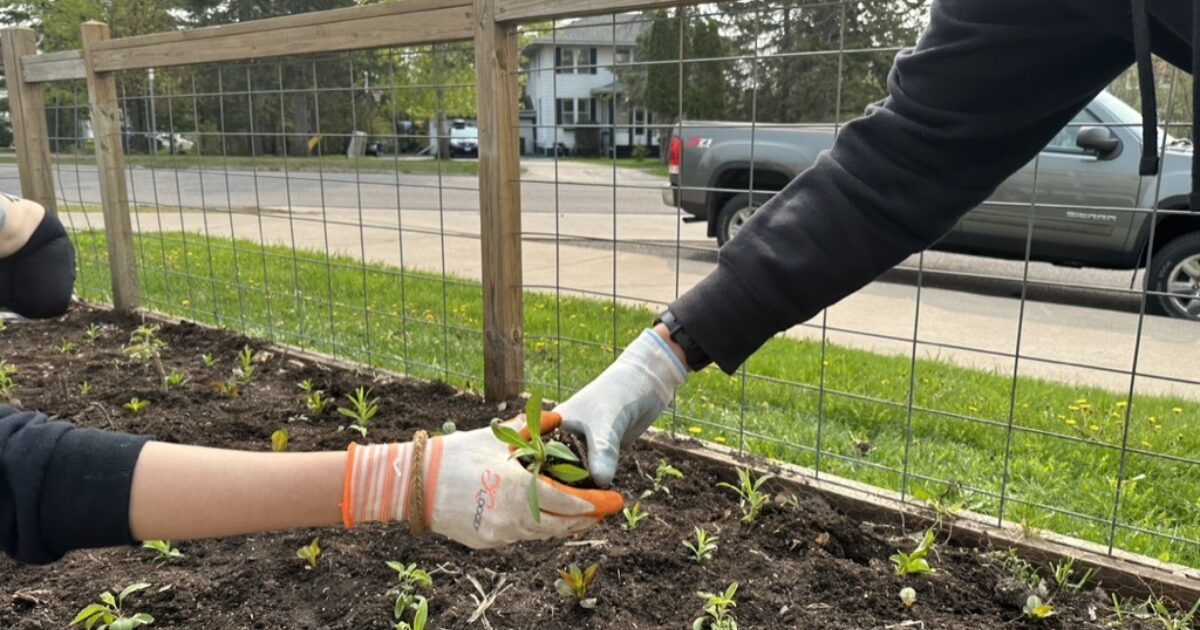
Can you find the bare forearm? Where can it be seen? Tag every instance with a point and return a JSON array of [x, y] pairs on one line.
[[187, 492], [661, 331]]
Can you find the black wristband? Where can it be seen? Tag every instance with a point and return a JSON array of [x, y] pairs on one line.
[[696, 358]]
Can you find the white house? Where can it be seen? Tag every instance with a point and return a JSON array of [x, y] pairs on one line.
[[572, 93]]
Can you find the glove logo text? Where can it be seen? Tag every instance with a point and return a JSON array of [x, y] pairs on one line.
[[485, 499]]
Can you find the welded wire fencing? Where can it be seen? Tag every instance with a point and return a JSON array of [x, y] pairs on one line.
[[332, 201]]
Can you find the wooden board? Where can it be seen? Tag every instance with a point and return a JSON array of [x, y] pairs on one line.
[[27, 105], [541, 10], [59, 66], [110, 163], [496, 66], [378, 26]]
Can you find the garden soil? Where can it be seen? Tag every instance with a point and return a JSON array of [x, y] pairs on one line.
[[802, 565]]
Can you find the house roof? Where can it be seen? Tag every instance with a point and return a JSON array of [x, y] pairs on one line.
[[601, 30]]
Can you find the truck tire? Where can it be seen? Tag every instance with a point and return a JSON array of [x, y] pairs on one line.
[[734, 214], [1174, 274]]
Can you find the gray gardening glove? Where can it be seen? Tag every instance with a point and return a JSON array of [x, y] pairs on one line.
[[613, 410]]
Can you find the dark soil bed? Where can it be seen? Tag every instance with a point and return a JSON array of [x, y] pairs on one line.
[[804, 565]]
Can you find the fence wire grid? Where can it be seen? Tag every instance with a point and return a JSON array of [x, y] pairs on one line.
[[1047, 396]]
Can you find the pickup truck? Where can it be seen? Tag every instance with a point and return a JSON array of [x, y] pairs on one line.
[[1087, 189]]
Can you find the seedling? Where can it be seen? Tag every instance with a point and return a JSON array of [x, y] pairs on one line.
[[1037, 610], [136, 405], [7, 385], [245, 369], [145, 347], [411, 578], [659, 480], [362, 409], [914, 563], [574, 584], [1062, 577], [163, 548], [310, 553], [908, 596], [750, 491], [633, 516], [279, 441], [717, 615], [206, 360], [228, 389], [448, 427], [314, 399], [175, 379], [536, 453], [702, 550], [93, 333], [68, 348], [110, 614], [85, 388]]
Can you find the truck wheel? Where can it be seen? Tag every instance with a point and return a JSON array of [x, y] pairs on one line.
[[1175, 273], [735, 213]]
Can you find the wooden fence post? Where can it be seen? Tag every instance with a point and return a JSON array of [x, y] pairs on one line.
[[110, 165], [496, 65], [27, 106]]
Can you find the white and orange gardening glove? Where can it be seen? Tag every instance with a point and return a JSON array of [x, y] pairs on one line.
[[616, 408], [466, 487]]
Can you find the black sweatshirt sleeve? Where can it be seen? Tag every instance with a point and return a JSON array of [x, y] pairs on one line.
[[62, 488], [988, 85]]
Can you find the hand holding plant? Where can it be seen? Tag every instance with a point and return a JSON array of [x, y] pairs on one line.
[[537, 454]]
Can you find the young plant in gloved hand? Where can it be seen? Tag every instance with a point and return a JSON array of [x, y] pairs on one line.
[[537, 455]]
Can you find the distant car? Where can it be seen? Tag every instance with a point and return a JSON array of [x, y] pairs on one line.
[[464, 141], [1086, 175], [174, 143]]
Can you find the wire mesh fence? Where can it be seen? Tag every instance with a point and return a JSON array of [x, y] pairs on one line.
[[332, 203]]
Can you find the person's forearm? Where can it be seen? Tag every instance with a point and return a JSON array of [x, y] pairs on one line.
[[661, 331], [187, 492]]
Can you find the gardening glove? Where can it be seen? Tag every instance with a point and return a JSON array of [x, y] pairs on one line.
[[469, 489], [616, 408]]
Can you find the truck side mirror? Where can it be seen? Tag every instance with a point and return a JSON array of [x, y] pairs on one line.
[[1099, 140]]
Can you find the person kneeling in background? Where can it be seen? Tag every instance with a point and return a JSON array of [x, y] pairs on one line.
[[37, 260]]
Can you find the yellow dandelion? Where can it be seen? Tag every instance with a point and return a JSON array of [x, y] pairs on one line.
[[186, 302], [1072, 408], [973, 408], [1146, 444], [1153, 418], [1093, 428], [1121, 404], [1176, 409], [1081, 401], [1085, 407], [695, 430], [1070, 422], [720, 439], [1116, 414]]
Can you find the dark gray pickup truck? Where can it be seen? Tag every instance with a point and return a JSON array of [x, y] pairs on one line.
[[1087, 189]]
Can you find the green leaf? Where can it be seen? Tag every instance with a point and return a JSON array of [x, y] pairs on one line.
[[560, 451], [532, 494], [568, 473], [588, 575], [90, 610], [349, 413], [508, 435], [108, 598], [564, 590], [422, 616]]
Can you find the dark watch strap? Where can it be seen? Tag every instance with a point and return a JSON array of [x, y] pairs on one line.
[[697, 359]]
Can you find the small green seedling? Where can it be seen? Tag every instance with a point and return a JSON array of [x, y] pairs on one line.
[[228, 389], [68, 348], [165, 552], [1062, 577], [633, 516], [314, 399], [717, 615], [659, 479], [279, 441], [750, 491], [420, 616], [537, 454], [110, 614], [310, 553], [176, 379], [1037, 610], [908, 596], [363, 408], [245, 369], [207, 360], [85, 388], [93, 333], [411, 578], [914, 563], [702, 550], [145, 347], [136, 405], [7, 385], [574, 584]]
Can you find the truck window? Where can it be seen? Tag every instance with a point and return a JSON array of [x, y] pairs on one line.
[[1064, 141]]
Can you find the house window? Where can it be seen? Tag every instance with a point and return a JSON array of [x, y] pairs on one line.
[[566, 111], [575, 60], [623, 55], [575, 111]]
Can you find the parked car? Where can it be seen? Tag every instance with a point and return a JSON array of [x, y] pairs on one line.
[[1086, 174], [464, 141], [174, 143]]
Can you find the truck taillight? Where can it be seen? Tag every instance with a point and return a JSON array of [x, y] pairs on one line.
[[675, 157]]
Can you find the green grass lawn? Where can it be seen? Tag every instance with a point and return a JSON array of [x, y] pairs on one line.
[[1063, 451], [649, 165], [329, 163]]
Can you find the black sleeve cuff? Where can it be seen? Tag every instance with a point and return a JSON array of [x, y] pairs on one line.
[[725, 318]]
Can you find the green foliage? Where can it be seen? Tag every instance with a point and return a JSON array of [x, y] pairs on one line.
[[7, 384], [207, 360], [68, 348], [361, 410], [914, 563], [1036, 610], [314, 399], [145, 347], [633, 516], [657, 87], [93, 333], [310, 553], [1062, 577], [717, 607], [176, 379], [85, 388], [136, 405], [411, 578], [537, 454], [110, 613], [163, 550], [245, 369], [659, 479], [279, 440], [908, 596], [574, 583], [228, 388], [702, 550], [749, 490]]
